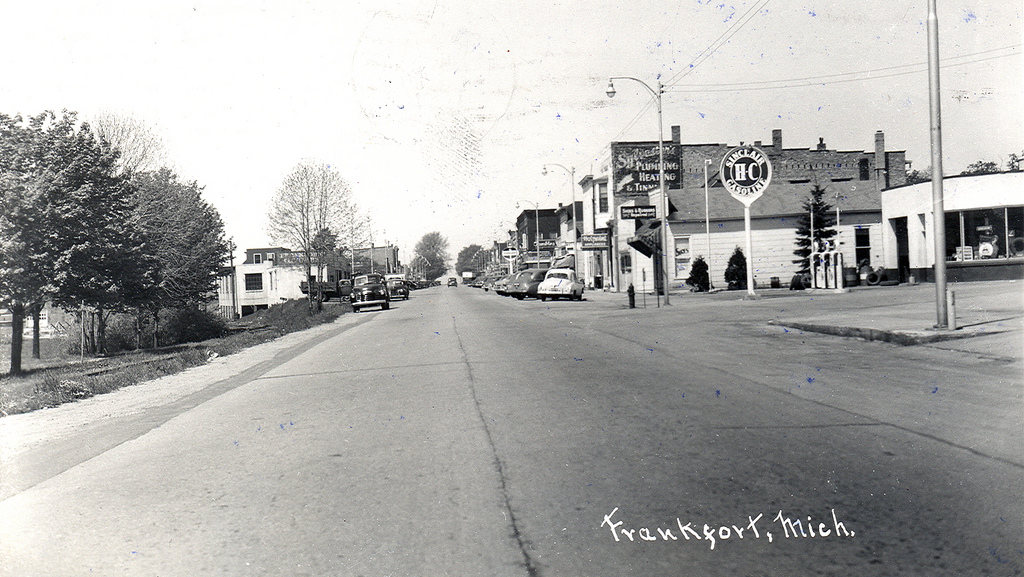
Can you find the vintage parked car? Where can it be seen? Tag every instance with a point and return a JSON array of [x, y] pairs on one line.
[[526, 283], [560, 283], [492, 282], [398, 289], [370, 291], [500, 285]]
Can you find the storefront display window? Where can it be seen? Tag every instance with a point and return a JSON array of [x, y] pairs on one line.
[[682, 256], [987, 233]]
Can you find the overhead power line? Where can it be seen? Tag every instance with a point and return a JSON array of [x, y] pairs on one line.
[[875, 73], [721, 40], [700, 58]]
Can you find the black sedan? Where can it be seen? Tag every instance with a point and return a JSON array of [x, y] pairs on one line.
[[370, 291], [398, 289]]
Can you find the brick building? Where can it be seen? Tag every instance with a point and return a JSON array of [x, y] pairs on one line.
[[853, 181]]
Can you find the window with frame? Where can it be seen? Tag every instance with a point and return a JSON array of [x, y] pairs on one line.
[[862, 245], [602, 197], [864, 169], [986, 233], [682, 256], [254, 281], [257, 258]]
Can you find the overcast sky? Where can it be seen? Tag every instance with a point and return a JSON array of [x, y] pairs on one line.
[[442, 114]]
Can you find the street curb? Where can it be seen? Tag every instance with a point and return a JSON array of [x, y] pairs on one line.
[[904, 338]]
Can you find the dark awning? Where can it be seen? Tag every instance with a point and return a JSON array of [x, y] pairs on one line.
[[647, 239]]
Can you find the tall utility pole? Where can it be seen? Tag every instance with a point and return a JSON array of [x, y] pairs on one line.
[[661, 176], [938, 207], [536, 225], [707, 219]]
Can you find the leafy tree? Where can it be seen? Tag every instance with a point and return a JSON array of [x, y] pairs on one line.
[[736, 270], [918, 176], [184, 238], [823, 221], [313, 197], [1013, 162], [102, 261], [465, 260], [65, 230], [433, 248], [699, 278], [25, 250], [981, 167]]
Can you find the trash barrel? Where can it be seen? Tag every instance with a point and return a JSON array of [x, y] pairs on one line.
[[850, 276]]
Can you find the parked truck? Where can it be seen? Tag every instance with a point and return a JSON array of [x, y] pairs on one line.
[[335, 287]]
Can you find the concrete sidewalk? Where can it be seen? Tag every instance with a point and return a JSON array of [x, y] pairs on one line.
[[989, 315]]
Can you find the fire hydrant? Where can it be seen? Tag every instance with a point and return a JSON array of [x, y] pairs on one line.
[[631, 292]]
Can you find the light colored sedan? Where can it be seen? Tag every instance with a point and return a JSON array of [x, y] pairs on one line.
[[560, 283]]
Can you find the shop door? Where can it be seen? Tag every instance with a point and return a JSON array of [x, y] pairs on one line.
[[899, 226]]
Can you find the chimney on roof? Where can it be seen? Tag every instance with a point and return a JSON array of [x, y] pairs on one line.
[[882, 172], [821, 143], [676, 134], [777, 139]]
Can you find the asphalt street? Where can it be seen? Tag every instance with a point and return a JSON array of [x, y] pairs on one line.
[[461, 433]]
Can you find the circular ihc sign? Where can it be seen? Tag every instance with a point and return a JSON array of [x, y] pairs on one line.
[[746, 172]]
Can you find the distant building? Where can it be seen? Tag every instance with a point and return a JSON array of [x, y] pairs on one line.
[[267, 276], [537, 234], [382, 259], [273, 275]]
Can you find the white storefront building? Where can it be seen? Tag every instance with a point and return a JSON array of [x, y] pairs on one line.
[[984, 228]]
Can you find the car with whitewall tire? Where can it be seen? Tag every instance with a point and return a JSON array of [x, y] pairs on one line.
[[560, 283]]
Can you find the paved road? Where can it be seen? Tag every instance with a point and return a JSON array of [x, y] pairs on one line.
[[464, 434]]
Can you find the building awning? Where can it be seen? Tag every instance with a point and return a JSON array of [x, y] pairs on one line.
[[647, 239]]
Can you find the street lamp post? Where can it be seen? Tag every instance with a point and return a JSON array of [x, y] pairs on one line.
[[572, 184], [661, 172], [707, 219]]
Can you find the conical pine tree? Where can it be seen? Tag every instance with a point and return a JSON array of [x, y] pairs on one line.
[[824, 220]]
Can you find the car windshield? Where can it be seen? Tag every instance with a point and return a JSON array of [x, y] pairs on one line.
[[558, 275]]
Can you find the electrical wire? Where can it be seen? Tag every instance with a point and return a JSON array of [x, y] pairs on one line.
[[721, 40], [700, 58], [904, 69]]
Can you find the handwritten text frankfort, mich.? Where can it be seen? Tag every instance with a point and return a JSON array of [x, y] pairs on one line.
[[785, 526]]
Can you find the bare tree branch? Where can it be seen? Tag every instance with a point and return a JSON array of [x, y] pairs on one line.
[[140, 147]]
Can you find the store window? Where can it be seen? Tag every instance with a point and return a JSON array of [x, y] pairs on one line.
[[682, 256], [986, 233], [254, 281]]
